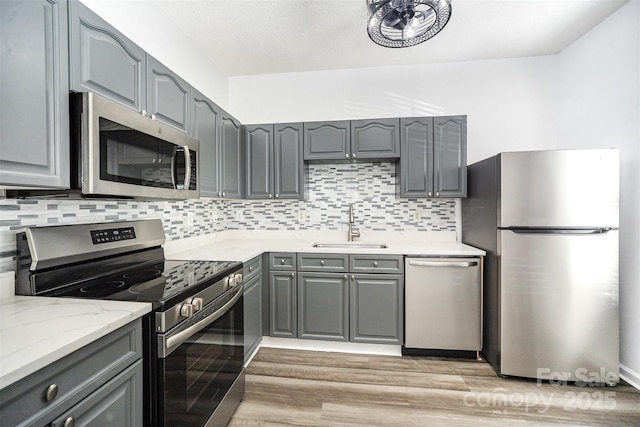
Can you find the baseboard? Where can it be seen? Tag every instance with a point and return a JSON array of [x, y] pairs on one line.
[[630, 376], [339, 347]]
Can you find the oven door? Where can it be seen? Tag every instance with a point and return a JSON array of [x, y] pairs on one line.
[[127, 154], [199, 362]]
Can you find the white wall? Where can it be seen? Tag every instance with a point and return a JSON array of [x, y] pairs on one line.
[[587, 96], [155, 32], [600, 107], [520, 92]]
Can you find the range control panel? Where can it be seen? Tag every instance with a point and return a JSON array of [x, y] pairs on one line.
[[112, 235]]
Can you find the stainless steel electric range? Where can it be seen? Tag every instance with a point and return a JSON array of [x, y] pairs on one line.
[[193, 338]]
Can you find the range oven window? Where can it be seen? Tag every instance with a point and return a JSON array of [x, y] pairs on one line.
[[134, 157], [194, 378]]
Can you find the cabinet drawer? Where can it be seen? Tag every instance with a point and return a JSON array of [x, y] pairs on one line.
[[75, 376], [323, 262], [376, 264], [252, 268], [282, 261]]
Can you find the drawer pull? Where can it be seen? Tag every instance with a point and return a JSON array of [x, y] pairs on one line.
[[321, 262], [282, 261], [375, 263], [250, 269], [293, 274], [51, 393], [69, 422]]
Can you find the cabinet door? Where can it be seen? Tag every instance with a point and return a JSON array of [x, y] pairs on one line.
[[252, 300], [375, 139], [231, 157], [327, 140], [283, 307], [376, 308], [104, 61], [258, 145], [34, 124], [289, 169], [416, 159], [205, 119], [168, 96], [450, 156], [323, 306], [117, 403]]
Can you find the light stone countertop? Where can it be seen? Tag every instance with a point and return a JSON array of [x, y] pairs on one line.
[[245, 245], [37, 331]]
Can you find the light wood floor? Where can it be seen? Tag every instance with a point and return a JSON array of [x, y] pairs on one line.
[[295, 387]]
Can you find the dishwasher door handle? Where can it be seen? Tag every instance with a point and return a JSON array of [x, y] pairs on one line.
[[461, 264]]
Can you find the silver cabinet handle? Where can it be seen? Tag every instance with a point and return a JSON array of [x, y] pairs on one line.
[[353, 277], [153, 117], [429, 193], [353, 156], [223, 195], [69, 422], [437, 194], [144, 113], [346, 156], [282, 262], [443, 263], [51, 392], [293, 274], [250, 269], [375, 263], [270, 196], [277, 195], [344, 277], [219, 193], [321, 262]]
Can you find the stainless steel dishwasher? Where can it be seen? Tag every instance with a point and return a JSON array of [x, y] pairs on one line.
[[443, 306]]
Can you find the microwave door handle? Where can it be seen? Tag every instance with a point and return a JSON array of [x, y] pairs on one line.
[[173, 167], [187, 166]]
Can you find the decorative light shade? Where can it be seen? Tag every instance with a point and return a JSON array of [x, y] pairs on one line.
[[404, 23]]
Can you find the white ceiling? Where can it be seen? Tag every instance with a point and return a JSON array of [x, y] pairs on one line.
[[277, 36]]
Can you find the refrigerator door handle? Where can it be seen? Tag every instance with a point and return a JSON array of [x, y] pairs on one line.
[[569, 231]]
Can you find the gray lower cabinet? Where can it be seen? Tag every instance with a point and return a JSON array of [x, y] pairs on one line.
[[433, 161], [205, 126], [375, 139], [376, 308], [283, 295], [34, 124], [99, 384], [252, 305], [323, 306], [275, 167]]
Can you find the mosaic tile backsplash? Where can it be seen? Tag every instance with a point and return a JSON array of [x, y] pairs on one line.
[[332, 187]]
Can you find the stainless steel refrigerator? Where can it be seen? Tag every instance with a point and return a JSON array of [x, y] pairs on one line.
[[549, 223]]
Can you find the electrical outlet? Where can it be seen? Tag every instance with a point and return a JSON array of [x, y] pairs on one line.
[[417, 215], [302, 215], [239, 215], [189, 219]]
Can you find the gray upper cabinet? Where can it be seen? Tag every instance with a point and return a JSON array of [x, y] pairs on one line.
[[205, 119], [375, 139], [231, 158], [34, 124], [289, 169], [450, 156], [327, 140], [275, 165], [168, 96], [259, 150], [433, 157], [104, 61]]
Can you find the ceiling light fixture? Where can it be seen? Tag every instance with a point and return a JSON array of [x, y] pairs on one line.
[[404, 23]]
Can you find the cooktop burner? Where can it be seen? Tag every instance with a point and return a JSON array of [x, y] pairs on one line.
[[163, 283]]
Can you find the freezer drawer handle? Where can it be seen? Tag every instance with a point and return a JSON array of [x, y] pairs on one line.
[[443, 263]]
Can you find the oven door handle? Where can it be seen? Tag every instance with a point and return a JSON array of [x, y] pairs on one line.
[[174, 340]]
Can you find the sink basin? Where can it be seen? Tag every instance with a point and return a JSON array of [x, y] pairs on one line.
[[347, 245]]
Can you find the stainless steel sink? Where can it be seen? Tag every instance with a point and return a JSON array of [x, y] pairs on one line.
[[347, 245]]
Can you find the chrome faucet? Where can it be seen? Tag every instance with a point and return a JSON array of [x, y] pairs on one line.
[[352, 232]]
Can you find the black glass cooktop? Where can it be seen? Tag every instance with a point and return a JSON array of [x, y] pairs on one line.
[[145, 277]]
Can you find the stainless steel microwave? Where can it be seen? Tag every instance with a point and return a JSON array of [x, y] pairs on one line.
[[120, 152]]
